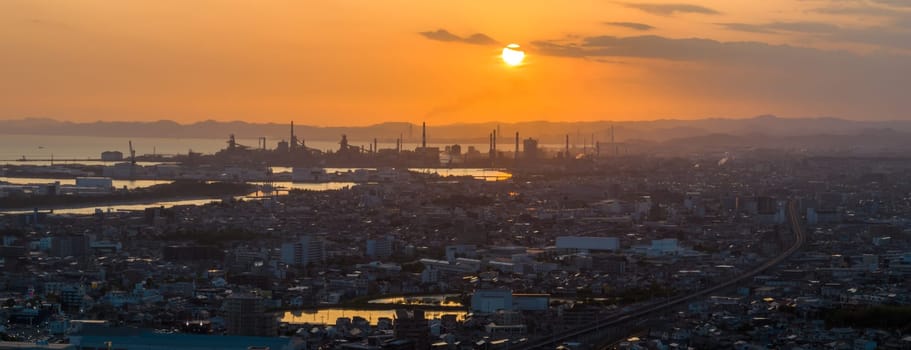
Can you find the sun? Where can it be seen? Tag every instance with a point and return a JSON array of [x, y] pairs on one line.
[[513, 55]]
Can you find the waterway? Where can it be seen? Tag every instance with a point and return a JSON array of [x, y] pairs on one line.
[[40, 149], [280, 188], [328, 316], [128, 184], [14, 147], [141, 205], [426, 300], [477, 173]]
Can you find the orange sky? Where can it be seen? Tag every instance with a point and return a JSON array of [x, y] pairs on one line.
[[361, 62]]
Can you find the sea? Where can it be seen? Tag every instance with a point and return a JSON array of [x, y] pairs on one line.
[[63, 148], [41, 150]]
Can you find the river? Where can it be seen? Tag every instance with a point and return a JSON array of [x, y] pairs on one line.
[[140, 204], [281, 186], [45, 147], [129, 184], [328, 316]]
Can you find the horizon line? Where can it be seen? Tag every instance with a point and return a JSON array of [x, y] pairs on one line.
[[773, 116]]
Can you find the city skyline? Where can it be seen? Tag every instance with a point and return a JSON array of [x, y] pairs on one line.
[[463, 175], [363, 63]]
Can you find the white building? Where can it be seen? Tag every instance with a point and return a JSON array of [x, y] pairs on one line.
[[588, 243], [309, 174], [659, 247], [111, 156], [437, 270], [308, 250], [379, 248], [491, 300], [454, 252], [95, 182]]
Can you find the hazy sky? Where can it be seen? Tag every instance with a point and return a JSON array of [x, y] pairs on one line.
[[362, 62]]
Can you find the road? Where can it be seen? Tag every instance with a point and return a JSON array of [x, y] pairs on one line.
[[800, 238]]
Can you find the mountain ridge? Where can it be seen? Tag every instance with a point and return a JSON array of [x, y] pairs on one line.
[[547, 132]]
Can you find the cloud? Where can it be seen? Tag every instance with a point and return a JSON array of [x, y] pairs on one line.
[[648, 46], [830, 81], [894, 3], [441, 35], [446, 36], [551, 48], [803, 27], [775, 27], [630, 25], [855, 11], [885, 37], [670, 9], [480, 39], [747, 27]]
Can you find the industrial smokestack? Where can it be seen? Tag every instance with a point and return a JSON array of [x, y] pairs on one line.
[[566, 153], [517, 146], [612, 143], [424, 135], [292, 141], [490, 146], [375, 150]]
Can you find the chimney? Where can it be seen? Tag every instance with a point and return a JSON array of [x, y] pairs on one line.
[[424, 135], [517, 146], [292, 140], [613, 145], [490, 145]]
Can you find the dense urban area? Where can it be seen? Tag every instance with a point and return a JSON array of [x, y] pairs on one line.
[[595, 249]]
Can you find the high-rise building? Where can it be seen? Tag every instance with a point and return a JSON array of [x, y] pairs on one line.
[[411, 325], [308, 250], [71, 298], [76, 246], [380, 247], [245, 314]]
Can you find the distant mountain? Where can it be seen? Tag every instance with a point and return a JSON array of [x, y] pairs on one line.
[[862, 142], [762, 131]]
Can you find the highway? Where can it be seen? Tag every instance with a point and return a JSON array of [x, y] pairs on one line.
[[569, 335]]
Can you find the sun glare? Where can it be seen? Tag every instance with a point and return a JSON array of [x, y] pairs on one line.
[[513, 55]]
